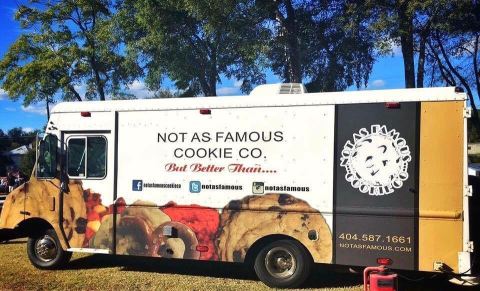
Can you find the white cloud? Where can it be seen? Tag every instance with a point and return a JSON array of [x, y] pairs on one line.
[[3, 94], [230, 90], [136, 88], [238, 83], [378, 83], [28, 129], [80, 87], [139, 89], [397, 50], [137, 85], [226, 91], [11, 109], [35, 108]]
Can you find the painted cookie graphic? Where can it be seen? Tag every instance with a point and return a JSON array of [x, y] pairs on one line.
[[179, 243], [243, 222], [102, 239], [99, 220], [203, 221], [135, 227], [133, 236], [74, 214]]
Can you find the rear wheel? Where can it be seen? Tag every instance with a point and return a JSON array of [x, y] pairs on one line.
[[45, 252], [283, 264]]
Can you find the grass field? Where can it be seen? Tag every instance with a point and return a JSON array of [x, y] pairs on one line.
[[103, 272]]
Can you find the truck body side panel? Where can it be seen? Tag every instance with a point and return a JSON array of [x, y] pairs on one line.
[[441, 184], [376, 184], [224, 180], [353, 180]]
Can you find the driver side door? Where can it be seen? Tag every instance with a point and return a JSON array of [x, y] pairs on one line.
[[89, 165]]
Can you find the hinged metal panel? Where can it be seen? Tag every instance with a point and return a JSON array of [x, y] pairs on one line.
[[467, 112], [464, 263], [438, 266], [467, 190], [469, 247]]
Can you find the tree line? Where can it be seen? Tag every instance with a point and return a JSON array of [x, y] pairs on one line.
[[12, 139], [103, 46]]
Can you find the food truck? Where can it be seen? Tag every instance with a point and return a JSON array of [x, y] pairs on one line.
[[281, 179]]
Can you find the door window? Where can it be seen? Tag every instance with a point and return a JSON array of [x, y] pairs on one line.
[[47, 157], [87, 157]]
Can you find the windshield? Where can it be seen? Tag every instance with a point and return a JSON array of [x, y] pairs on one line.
[[47, 157]]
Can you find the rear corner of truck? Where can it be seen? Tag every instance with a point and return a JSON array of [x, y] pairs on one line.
[[444, 243]]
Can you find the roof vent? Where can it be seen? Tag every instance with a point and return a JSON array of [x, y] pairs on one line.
[[292, 88], [276, 89]]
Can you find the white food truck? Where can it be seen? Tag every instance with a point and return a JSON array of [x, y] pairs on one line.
[[281, 180]]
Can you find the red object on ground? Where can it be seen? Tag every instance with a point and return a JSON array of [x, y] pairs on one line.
[[379, 279], [204, 221], [384, 261]]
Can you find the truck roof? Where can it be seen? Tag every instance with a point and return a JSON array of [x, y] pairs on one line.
[[268, 100]]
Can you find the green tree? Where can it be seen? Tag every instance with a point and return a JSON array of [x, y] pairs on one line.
[[4, 140], [14, 138], [193, 43], [27, 163], [393, 20], [452, 43], [326, 44], [15, 133], [4, 145], [18, 137], [64, 45]]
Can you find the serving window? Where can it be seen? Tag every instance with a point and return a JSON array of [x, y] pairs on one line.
[[87, 157]]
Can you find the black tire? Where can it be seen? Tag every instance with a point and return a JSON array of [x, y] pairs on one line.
[[283, 264], [45, 251]]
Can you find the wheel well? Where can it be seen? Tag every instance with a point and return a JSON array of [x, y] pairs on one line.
[[260, 243], [32, 227]]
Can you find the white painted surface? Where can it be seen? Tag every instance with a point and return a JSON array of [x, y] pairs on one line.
[[88, 250], [300, 154], [349, 97]]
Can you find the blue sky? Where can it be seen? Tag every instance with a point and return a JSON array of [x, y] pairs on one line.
[[387, 74]]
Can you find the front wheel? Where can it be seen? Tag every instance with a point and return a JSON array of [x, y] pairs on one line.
[[45, 252], [283, 264]]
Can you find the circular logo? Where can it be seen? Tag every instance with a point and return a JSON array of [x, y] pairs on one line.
[[376, 161]]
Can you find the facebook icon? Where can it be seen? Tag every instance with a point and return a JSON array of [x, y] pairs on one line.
[[195, 186], [137, 185]]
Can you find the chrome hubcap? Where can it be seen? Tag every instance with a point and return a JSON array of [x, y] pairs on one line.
[[280, 262], [45, 248]]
